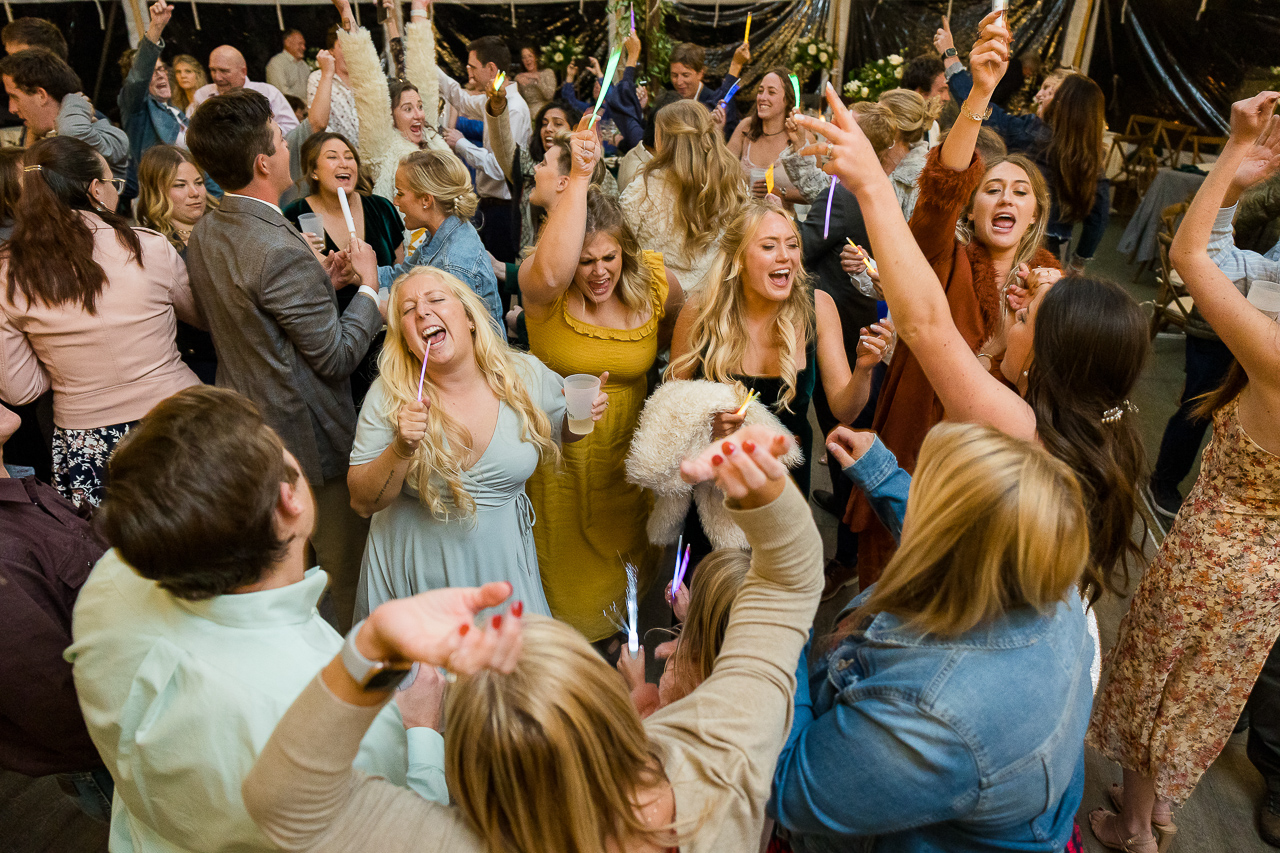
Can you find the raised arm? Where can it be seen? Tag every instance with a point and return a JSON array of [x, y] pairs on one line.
[[368, 88], [1251, 155], [498, 121], [133, 92], [547, 273], [420, 60], [322, 98], [916, 300], [987, 62]]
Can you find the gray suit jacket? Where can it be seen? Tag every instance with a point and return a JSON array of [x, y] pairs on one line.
[[274, 318]]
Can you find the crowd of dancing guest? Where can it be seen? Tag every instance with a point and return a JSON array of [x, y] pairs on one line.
[[381, 353]]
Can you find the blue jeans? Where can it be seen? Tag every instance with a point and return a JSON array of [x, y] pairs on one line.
[[1208, 361], [92, 791]]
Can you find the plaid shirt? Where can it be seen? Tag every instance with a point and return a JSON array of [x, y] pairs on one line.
[[1240, 265]]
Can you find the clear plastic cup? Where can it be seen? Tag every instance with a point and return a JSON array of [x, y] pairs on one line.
[[757, 176], [1265, 296], [311, 223], [580, 392]]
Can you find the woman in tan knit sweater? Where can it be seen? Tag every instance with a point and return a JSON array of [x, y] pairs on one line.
[[556, 757]]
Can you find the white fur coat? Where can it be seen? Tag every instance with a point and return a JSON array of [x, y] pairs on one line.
[[676, 424]]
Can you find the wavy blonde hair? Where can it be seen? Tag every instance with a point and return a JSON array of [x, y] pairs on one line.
[[716, 582], [719, 336], [1033, 238], [156, 172], [442, 176], [696, 167], [441, 454], [993, 523], [562, 715], [180, 98], [911, 113], [604, 216]]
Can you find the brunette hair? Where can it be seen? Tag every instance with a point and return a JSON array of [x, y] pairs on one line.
[[310, 156], [192, 492], [228, 133], [1077, 117], [689, 55], [156, 171], [51, 253], [1090, 344], [37, 68], [491, 49], [396, 89], [35, 32], [536, 149], [918, 74], [10, 183], [331, 36], [754, 126], [1232, 386]]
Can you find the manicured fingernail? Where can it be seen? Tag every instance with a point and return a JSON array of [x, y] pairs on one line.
[[497, 621], [728, 448], [717, 459], [517, 609], [463, 629], [749, 446]]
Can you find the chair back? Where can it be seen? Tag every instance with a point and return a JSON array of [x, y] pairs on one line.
[[1173, 304]]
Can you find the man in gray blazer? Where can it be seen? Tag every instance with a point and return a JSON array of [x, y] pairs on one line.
[[274, 317]]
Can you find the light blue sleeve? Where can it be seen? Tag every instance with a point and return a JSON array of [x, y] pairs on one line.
[[388, 275], [426, 764], [374, 433], [546, 387], [1240, 265]]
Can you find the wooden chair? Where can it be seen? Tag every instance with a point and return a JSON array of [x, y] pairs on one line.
[[1134, 150], [1172, 306], [1172, 138], [1202, 145]]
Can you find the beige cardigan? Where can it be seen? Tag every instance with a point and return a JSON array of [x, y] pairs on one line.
[[718, 745], [112, 366]]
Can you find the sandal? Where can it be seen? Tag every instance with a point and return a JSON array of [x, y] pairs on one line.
[[1164, 830], [1100, 818]]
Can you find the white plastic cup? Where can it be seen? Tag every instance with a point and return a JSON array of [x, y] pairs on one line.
[[580, 392], [311, 223], [1265, 296], [757, 175]]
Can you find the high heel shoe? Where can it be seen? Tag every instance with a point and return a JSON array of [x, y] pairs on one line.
[[1164, 830], [1099, 818]]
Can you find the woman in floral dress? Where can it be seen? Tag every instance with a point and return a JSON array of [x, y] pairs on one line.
[[1208, 610]]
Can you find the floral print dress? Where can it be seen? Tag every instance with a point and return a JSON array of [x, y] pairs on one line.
[[1202, 622]]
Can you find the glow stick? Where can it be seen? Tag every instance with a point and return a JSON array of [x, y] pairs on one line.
[[768, 179], [423, 375], [831, 194], [746, 36], [682, 566], [747, 402], [795, 88], [633, 17], [605, 84], [497, 81], [346, 211], [733, 90], [999, 5], [633, 636], [675, 574], [866, 259]]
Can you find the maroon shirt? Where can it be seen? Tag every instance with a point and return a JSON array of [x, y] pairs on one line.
[[47, 549]]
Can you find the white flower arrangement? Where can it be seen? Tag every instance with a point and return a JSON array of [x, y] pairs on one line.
[[559, 52], [869, 81], [810, 55]]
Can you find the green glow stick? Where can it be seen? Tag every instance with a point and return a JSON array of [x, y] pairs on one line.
[[605, 84], [795, 87]]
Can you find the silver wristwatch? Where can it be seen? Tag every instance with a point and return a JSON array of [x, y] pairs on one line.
[[371, 675]]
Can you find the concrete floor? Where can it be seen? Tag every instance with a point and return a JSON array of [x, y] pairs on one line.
[[1220, 816]]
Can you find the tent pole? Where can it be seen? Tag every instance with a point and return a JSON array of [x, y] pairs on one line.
[[140, 24], [106, 45]]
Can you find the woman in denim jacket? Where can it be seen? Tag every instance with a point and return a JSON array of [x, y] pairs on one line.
[[914, 694]]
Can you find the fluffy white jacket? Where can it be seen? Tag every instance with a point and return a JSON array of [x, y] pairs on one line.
[[674, 425]]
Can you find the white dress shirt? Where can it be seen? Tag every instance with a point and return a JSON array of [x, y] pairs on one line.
[[280, 109], [490, 180]]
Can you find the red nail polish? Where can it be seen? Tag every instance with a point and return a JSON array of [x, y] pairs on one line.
[[728, 448], [497, 621], [463, 629], [517, 609], [717, 459], [749, 446]]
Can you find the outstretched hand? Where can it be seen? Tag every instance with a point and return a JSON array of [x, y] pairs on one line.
[[745, 466], [990, 56], [160, 12], [585, 147], [851, 158], [848, 446], [1262, 156], [438, 628]]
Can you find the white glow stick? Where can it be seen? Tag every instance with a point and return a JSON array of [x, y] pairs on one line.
[[346, 211], [423, 375], [633, 635]]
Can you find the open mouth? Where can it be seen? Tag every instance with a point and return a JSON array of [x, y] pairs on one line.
[[599, 286], [1004, 223], [434, 335], [780, 278], [416, 128], [343, 177]]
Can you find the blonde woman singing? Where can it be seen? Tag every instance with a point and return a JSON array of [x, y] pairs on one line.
[[683, 199], [443, 477]]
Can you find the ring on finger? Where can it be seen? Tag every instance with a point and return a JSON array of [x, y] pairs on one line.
[[830, 150]]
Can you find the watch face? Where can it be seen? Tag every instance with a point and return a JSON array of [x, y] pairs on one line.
[[387, 678]]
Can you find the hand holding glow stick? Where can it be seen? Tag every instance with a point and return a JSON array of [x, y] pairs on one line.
[[423, 375], [795, 88], [633, 17], [682, 566], [826, 222], [605, 84], [497, 81], [346, 211], [768, 179], [866, 259], [751, 396], [728, 96]]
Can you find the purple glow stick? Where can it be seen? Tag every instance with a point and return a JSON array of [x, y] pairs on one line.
[[831, 193], [423, 375], [633, 17], [680, 571]]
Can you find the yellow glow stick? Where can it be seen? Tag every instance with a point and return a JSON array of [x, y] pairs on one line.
[[747, 402], [746, 36], [768, 179], [871, 265], [497, 81]]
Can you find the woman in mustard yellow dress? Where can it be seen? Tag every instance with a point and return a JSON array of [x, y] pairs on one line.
[[594, 303]]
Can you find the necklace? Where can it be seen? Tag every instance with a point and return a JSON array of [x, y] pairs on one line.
[[775, 133]]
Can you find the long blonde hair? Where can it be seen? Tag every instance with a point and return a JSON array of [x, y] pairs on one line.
[[441, 454], [442, 176], [719, 336], [156, 172], [911, 113], [696, 166], [604, 216], [181, 99], [1033, 237], [563, 717], [993, 523], [717, 580]]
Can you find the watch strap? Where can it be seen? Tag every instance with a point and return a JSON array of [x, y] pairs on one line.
[[370, 674]]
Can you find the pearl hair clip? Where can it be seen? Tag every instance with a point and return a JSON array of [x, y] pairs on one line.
[[1110, 416]]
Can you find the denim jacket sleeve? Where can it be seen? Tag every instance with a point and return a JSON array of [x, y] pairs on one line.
[[388, 275], [884, 483], [871, 767]]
